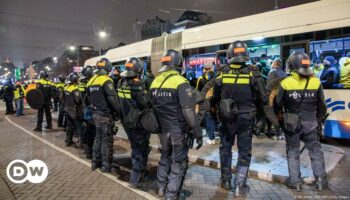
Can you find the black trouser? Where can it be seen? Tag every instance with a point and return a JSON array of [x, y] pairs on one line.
[[173, 162], [47, 111], [90, 132], [103, 144], [70, 128], [60, 120], [9, 105], [79, 129], [56, 104], [313, 145], [242, 128], [139, 142]]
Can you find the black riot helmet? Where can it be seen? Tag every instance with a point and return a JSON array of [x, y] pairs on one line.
[[133, 68], [171, 60], [43, 75], [300, 63], [237, 52], [73, 78], [103, 66], [61, 78], [87, 72]]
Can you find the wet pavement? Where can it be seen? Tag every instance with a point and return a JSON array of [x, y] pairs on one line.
[[71, 178], [269, 161]]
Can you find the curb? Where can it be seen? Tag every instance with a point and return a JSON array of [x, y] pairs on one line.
[[264, 176]]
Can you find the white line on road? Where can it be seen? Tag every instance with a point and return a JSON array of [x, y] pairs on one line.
[[110, 176]]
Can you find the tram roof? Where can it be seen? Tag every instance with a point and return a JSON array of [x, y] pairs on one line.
[[315, 16]]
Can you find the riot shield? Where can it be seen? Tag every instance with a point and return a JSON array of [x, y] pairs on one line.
[[35, 99]]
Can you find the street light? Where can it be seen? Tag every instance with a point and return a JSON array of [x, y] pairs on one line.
[[102, 34], [72, 48], [6, 69]]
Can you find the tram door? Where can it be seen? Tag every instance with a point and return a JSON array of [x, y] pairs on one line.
[[288, 48]]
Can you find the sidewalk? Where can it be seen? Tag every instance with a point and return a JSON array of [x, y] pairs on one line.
[[268, 161]]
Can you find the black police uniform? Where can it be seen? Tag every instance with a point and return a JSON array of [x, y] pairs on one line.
[[47, 88], [72, 102], [90, 130], [132, 95], [310, 106], [104, 104], [248, 88], [175, 109], [80, 123], [8, 92], [59, 94]]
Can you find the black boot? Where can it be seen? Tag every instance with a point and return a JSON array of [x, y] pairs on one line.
[[37, 129], [80, 144], [106, 168], [294, 185], [48, 127], [321, 183], [160, 191], [95, 164], [69, 143], [226, 184], [170, 196], [241, 187]]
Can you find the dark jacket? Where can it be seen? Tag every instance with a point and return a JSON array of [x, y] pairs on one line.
[[330, 76], [174, 104], [312, 107]]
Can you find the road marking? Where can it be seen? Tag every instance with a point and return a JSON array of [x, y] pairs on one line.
[[110, 176]]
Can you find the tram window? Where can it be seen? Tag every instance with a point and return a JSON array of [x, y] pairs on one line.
[[331, 61]]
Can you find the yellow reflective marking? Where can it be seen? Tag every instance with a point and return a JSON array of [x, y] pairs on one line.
[[232, 80]]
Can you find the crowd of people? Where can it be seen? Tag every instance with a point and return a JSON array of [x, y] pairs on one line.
[[13, 93], [235, 102]]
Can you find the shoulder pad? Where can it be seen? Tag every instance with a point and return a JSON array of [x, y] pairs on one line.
[[253, 68]]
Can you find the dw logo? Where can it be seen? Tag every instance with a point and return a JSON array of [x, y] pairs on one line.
[[35, 171], [336, 105]]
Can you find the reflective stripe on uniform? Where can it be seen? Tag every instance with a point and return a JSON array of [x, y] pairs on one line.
[[231, 78], [171, 83], [98, 80], [295, 82], [45, 82], [124, 94], [71, 88]]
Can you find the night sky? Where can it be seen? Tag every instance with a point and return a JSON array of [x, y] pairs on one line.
[[35, 29]]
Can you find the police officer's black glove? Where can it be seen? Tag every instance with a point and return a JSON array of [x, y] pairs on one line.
[[199, 142]]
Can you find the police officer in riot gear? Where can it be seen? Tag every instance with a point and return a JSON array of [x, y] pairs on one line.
[[90, 129], [115, 76], [174, 105], [80, 122], [132, 95], [59, 93], [8, 94], [47, 88], [301, 95], [104, 104], [235, 91], [72, 102]]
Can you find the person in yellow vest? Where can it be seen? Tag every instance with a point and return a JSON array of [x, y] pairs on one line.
[[47, 88], [345, 74], [105, 105], [210, 120], [301, 98], [72, 101], [59, 94], [19, 96], [208, 73]]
